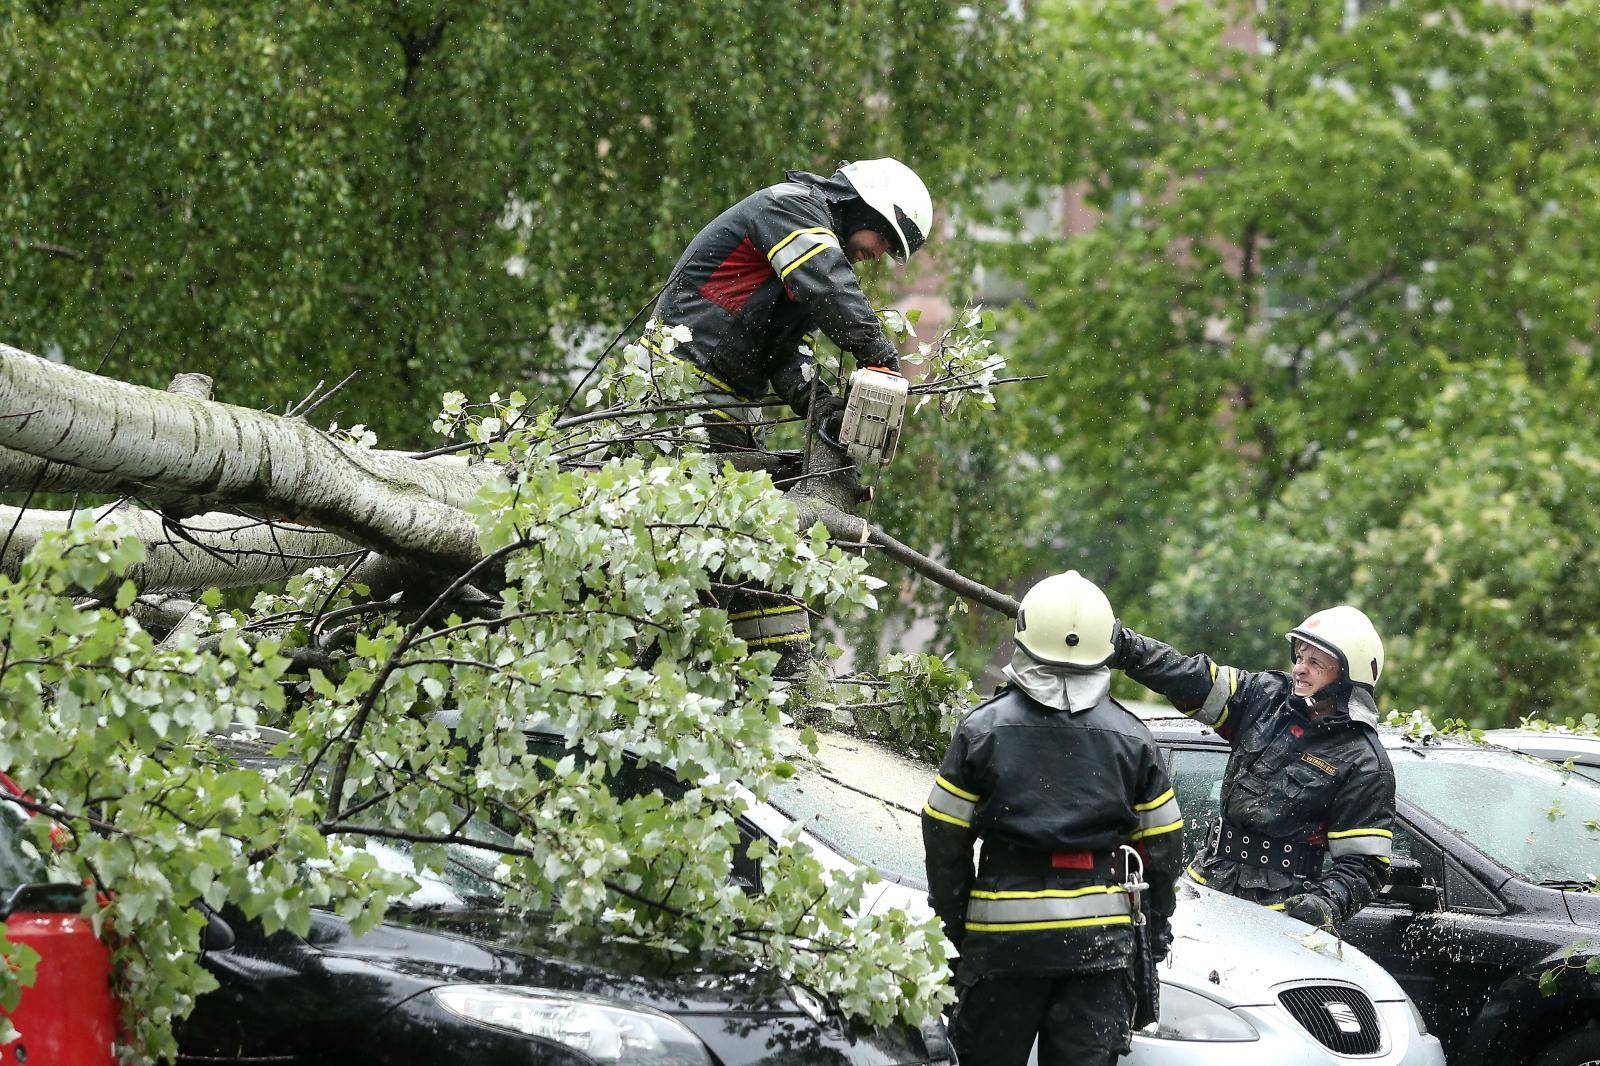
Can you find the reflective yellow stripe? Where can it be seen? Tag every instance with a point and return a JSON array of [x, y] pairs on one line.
[[781, 638], [776, 248], [1153, 804], [1274, 906], [1192, 872], [1062, 923], [1361, 833], [943, 817], [766, 612], [1140, 834], [1049, 893], [1224, 718], [971, 797], [798, 263]]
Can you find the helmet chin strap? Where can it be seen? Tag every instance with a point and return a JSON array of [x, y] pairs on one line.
[[1337, 694]]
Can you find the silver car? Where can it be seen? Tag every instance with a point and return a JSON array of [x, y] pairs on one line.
[[1559, 745], [1242, 984]]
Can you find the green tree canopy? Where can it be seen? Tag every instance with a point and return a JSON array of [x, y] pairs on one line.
[[440, 195]]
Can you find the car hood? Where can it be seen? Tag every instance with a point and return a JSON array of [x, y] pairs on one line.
[[1251, 951], [1243, 954], [492, 946]]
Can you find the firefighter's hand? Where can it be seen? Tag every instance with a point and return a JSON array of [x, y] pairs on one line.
[[1160, 938], [828, 416], [888, 361], [1313, 910]]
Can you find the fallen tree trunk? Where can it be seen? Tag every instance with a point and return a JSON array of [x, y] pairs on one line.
[[305, 499], [193, 455], [203, 551]]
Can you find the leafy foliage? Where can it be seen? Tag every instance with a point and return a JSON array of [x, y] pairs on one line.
[[441, 195], [607, 632]]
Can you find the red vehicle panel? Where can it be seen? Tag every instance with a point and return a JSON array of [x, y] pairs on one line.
[[68, 1016]]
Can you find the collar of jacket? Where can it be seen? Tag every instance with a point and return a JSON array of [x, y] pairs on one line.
[[834, 192], [1353, 703], [1058, 688]]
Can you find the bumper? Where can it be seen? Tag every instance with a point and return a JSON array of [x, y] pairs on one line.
[[1284, 1043]]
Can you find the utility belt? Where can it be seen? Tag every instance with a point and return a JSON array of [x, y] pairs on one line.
[[1000, 858], [1100, 902], [1249, 848]]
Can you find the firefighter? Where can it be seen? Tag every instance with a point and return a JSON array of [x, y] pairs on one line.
[[775, 267], [1307, 781], [1053, 777]]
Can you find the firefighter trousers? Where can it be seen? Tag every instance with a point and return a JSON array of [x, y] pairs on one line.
[[1080, 1019]]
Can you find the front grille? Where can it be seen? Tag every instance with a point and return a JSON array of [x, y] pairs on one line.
[[1342, 1019]]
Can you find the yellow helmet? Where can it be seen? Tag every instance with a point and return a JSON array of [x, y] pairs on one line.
[[1065, 620]]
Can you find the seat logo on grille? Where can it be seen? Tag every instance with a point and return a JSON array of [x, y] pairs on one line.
[[1344, 1016]]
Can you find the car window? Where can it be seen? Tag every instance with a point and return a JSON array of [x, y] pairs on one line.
[[20, 863], [1543, 825], [1197, 781], [869, 829]]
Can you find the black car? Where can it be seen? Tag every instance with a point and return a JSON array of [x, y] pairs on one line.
[[454, 977], [1493, 856]]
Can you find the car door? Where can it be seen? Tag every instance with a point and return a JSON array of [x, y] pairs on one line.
[[1394, 933]]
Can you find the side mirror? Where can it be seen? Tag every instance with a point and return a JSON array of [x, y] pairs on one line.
[[218, 934], [1408, 888]]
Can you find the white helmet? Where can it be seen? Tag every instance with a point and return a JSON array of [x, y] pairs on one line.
[[893, 190], [1066, 620], [1348, 635]]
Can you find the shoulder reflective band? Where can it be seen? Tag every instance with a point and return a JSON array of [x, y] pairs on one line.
[[1375, 842], [1160, 815], [1224, 683], [1054, 908], [950, 804], [797, 247]]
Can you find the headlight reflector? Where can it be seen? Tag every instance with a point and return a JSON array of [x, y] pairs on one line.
[[1188, 1015], [606, 1032], [1416, 1016]]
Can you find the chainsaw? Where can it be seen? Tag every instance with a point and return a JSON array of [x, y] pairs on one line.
[[874, 411]]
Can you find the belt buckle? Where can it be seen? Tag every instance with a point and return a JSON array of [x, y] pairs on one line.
[[1214, 839]]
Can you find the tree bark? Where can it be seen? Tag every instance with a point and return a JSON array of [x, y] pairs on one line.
[[204, 551], [190, 455]]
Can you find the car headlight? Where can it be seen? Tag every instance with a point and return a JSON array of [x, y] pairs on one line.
[[1416, 1016], [1188, 1015], [603, 1031]]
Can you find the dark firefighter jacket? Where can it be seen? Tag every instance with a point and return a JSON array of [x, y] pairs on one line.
[[1324, 782], [1051, 794], [762, 276]]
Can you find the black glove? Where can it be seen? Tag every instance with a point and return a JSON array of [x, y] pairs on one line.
[[1311, 909], [827, 414], [955, 932], [1160, 938], [1119, 645], [887, 361]]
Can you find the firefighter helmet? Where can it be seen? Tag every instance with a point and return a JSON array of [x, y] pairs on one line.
[[894, 191], [1065, 620], [1349, 636]]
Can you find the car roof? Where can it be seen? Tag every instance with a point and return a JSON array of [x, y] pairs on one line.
[[1171, 726], [1557, 743]]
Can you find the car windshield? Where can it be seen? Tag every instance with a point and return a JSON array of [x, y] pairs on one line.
[[876, 819], [469, 877], [1544, 826]]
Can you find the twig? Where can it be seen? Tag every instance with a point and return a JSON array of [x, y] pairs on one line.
[[325, 396]]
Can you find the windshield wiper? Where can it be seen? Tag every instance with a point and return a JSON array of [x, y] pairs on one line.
[[1567, 884]]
